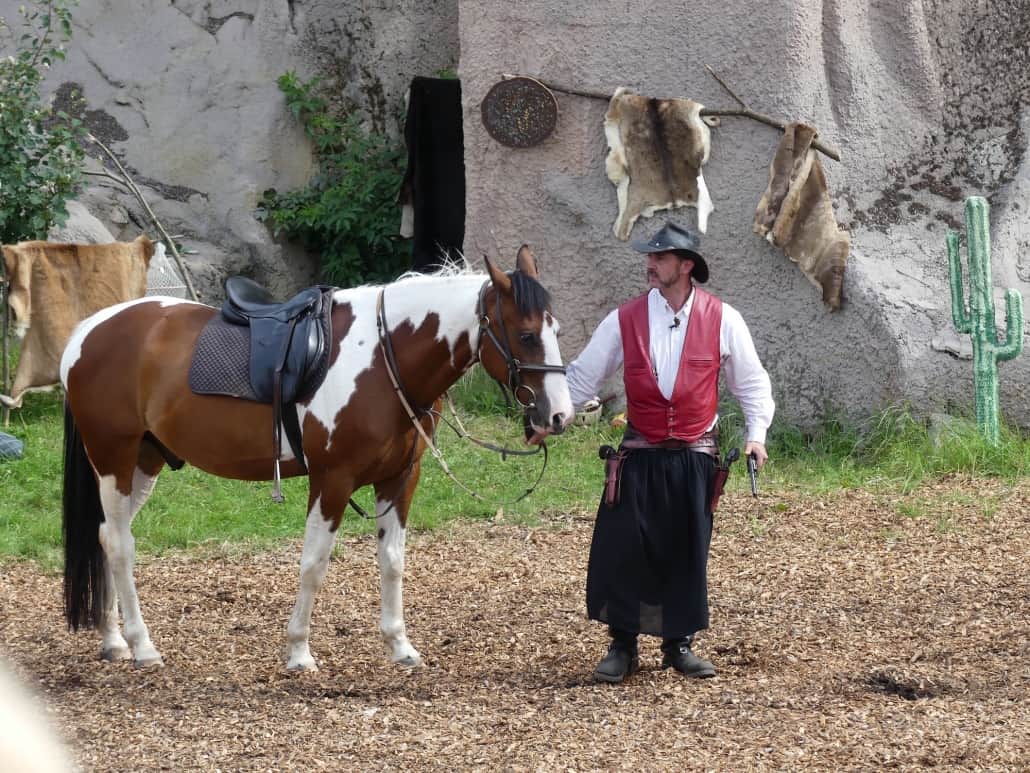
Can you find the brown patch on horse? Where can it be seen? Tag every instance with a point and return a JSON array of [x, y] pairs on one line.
[[369, 438], [206, 431], [373, 440]]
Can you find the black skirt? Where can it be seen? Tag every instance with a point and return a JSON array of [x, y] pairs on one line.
[[648, 570]]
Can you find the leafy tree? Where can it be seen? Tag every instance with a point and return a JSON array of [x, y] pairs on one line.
[[40, 156], [348, 211]]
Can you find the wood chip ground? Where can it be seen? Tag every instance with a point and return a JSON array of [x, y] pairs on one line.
[[854, 631]]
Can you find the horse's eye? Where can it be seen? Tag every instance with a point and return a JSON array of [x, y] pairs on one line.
[[527, 339]]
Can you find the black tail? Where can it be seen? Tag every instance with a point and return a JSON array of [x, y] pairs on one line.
[[84, 575]]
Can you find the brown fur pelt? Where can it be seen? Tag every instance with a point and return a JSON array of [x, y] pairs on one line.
[[53, 287], [796, 215], [656, 148]]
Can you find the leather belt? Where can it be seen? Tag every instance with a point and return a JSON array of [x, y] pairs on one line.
[[708, 443]]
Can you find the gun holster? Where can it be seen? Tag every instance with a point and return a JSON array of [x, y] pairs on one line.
[[722, 472], [612, 473]]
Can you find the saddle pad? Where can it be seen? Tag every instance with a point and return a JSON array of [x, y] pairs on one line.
[[221, 361]]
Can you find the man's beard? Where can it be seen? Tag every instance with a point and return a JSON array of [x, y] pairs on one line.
[[664, 285]]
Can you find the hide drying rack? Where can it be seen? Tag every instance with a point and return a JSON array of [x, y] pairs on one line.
[[520, 111], [5, 369]]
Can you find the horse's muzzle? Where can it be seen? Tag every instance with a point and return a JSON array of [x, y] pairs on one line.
[[558, 423], [532, 425]]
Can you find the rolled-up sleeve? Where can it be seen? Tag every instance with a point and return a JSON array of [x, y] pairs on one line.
[[601, 357], [746, 379]]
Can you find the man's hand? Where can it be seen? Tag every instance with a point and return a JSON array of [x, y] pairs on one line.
[[761, 457]]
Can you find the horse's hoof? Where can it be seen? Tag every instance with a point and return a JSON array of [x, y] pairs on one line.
[[409, 661], [113, 654], [152, 662], [302, 668]]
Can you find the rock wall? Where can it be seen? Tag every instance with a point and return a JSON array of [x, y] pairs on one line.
[[928, 102], [184, 93]]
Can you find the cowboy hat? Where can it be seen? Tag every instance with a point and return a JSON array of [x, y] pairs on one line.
[[685, 243]]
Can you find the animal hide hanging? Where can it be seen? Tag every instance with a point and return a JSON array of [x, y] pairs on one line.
[[656, 148], [796, 215], [55, 286]]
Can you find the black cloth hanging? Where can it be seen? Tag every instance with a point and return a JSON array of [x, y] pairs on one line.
[[432, 194]]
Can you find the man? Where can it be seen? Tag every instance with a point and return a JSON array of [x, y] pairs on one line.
[[649, 556]]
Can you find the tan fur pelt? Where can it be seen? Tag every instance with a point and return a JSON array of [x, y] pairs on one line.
[[656, 148], [53, 287], [796, 215]]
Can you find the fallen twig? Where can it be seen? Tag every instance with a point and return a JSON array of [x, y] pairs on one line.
[[127, 181]]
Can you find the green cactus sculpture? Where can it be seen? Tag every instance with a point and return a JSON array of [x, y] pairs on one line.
[[979, 320]]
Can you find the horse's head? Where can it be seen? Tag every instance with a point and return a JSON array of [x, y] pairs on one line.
[[519, 346]]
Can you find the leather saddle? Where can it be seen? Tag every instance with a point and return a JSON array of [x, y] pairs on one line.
[[290, 344]]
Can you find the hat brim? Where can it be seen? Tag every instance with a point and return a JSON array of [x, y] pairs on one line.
[[700, 271]]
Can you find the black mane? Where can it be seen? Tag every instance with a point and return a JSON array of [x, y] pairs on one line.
[[530, 296]]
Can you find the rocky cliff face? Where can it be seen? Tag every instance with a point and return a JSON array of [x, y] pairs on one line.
[[928, 102], [184, 93]]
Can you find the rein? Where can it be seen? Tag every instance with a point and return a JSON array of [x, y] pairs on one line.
[[515, 367]]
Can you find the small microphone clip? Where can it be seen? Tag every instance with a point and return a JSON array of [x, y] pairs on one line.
[[675, 323]]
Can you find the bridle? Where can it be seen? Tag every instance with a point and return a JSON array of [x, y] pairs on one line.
[[514, 365], [515, 369]]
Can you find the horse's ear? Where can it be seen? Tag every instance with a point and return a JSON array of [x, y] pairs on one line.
[[501, 280], [525, 262]]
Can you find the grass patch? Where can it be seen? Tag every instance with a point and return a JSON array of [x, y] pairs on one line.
[[893, 450], [190, 509]]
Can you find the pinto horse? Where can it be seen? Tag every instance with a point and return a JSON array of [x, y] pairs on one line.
[[130, 410]]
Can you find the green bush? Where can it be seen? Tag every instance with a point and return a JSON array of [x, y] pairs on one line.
[[40, 156], [348, 212]]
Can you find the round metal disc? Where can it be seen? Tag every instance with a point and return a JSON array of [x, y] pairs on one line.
[[519, 112]]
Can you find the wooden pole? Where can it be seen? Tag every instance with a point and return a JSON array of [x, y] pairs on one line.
[[4, 324], [743, 112]]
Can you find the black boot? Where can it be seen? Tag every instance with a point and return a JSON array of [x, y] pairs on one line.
[[678, 655], [621, 661]]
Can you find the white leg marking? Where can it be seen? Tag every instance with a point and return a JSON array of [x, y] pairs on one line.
[[390, 552], [113, 645], [314, 562], [120, 549]]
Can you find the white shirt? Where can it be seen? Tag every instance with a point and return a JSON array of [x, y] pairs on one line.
[[745, 376]]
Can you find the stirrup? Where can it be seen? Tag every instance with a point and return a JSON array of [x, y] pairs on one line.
[[277, 489]]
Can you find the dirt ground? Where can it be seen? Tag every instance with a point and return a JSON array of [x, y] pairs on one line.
[[850, 632]]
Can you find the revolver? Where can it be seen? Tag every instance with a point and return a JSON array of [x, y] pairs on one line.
[[752, 473]]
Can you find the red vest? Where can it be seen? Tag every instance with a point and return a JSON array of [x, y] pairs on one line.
[[695, 397]]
